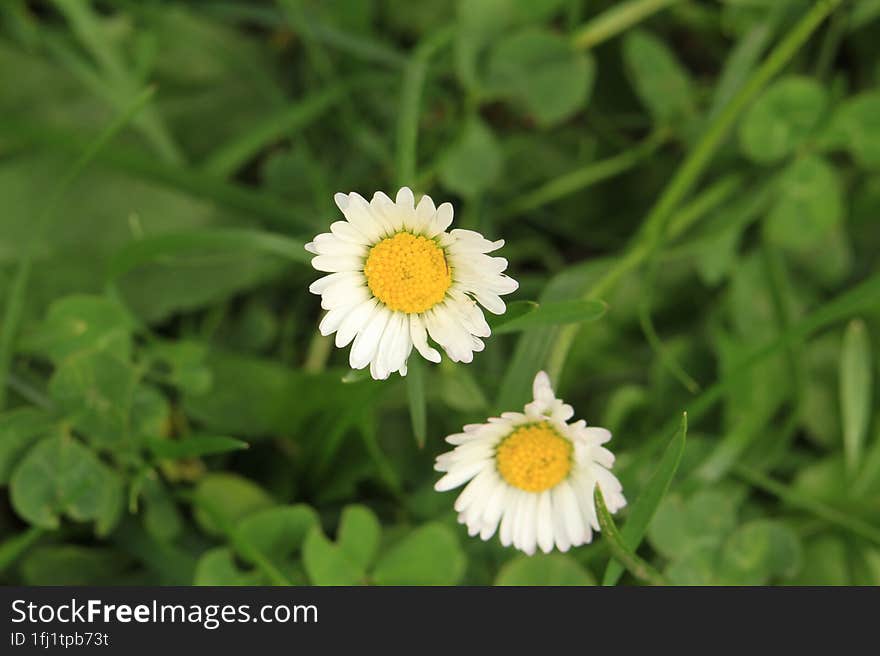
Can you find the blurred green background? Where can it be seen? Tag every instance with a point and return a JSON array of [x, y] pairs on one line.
[[162, 163]]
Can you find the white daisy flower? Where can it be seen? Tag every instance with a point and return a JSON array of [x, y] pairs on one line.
[[397, 277], [533, 473]]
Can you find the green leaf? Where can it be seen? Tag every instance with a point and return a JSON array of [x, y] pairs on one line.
[[185, 270], [809, 204], [553, 313], [251, 397], [359, 534], [782, 118], [327, 563], [537, 70], [706, 518], [642, 511], [162, 519], [277, 533], [19, 429], [217, 567], [855, 126], [659, 79], [74, 565], [82, 323], [473, 162], [460, 391], [223, 499], [544, 569], [759, 551], [344, 562], [183, 362], [856, 366], [95, 389], [621, 552], [193, 447], [430, 555], [60, 476], [12, 548], [415, 393], [825, 562]]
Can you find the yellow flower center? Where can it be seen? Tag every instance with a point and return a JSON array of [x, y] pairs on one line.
[[408, 273], [534, 458]]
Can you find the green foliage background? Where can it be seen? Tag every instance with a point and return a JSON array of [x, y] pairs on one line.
[[169, 415]]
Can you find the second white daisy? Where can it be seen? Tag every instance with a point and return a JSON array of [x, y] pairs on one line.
[[397, 277], [533, 474]]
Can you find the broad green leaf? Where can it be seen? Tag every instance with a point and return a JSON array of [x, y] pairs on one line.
[[759, 551], [430, 555], [251, 397], [223, 499], [70, 564], [60, 476], [782, 118], [327, 563], [183, 363], [19, 429], [82, 323], [161, 275], [95, 389], [217, 567], [544, 569], [473, 162], [538, 71], [642, 510], [856, 366], [162, 519], [193, 447], [278, 533], [359, 534], [553, 313], [150, 412], [704, 519], [808, 205], [855, 126], [660, 81], [825, 562]]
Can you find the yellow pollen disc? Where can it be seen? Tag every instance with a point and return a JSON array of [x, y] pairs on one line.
[[408, 273], [534, 458]]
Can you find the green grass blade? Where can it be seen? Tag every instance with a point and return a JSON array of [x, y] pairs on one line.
[[229, 157], [619, 18], [121, 82], [12, 548], [256, 204], [582, 178], [193, 447], [818, 509], [414, 74], [553, 313], [855, 392], [15, 301], [642, 511], [619, 550], [415, 390], [151, 249]]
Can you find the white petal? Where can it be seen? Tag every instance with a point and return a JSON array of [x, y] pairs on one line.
[[365, 345], [441, 220], [355, 322], [459, 475], [419, 336], [545, 522]]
